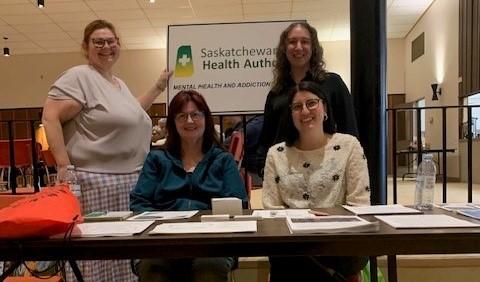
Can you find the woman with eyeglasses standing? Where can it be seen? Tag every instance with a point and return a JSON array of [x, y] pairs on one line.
[[93, 122], [190, 170], [300, 57], [314, 168]]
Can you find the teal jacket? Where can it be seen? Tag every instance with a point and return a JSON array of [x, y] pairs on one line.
[[163, 184]]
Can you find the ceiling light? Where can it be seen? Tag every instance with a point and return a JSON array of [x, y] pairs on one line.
[[152, 1], [6, 50], [41, 4]]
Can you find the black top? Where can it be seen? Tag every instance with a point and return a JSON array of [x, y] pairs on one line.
[[277, 110]]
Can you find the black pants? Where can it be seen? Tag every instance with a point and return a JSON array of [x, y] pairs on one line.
[[314, 268]]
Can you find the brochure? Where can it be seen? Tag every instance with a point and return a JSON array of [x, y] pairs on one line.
[[205, 227], [164, 215], [458, 206], [380, 209], [282, 213], [107, 216], [110, 229], [473, 213], [425, 221], [330, 224]]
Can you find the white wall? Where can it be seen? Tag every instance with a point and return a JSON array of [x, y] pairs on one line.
[[337, 58], [438, 64], [25, 79], [396, 66]]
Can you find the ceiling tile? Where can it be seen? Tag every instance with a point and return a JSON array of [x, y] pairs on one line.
[[197, 3], [282, 7], [268, 17], [165, 4], [138, 32], [45, 36], [30, 19], [23, 9], [65, 7], [171, 13], [12, 2], [15, 37], [218, 10], [59, 27], [73, 17], [121, 15], [33, 28], [76, 27], [110, 5]]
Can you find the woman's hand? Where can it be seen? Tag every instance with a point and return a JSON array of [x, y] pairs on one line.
[[162, 81], [61, 172]]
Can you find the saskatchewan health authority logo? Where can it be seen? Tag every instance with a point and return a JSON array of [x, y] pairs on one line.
[[184, 62]]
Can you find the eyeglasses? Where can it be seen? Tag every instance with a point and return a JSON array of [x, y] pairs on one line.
[[311, 104], [100, 42], [195, 116]]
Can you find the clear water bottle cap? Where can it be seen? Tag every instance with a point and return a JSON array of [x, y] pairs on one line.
[[427, 156], [70, 167]]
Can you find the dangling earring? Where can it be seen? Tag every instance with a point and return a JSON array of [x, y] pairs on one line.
[[325, 117]]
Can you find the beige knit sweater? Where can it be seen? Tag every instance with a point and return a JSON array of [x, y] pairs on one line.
[[330, 176]]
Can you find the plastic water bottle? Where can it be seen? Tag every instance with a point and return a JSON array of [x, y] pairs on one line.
[[425, 183], [72, 181]]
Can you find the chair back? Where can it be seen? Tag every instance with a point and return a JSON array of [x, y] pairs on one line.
[[23, 153], [236, 147], [48, 158]]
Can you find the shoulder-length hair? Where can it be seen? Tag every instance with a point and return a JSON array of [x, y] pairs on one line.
[[91, 28], [173, 142], [281, 71], [292, 133]]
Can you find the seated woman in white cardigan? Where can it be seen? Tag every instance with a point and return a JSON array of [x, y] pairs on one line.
[[314, 168]]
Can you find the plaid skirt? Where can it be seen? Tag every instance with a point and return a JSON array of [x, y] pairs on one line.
[[104, 192]]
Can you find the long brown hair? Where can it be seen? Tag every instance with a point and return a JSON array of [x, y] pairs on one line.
[[281, 72], [210, 137]]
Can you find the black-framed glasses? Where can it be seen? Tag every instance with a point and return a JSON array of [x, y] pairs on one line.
[[195, 116], [100, 42], [311, 104]]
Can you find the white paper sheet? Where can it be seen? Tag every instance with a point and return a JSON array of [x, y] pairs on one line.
[[330, 224], [282, 213], [110, 229], [381, 209], [163, 215], [205, 227], [425, 221], [458, 206]]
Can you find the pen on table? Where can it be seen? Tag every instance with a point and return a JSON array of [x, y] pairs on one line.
[[317, 213]]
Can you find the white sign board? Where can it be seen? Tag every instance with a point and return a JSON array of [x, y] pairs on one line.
[[229, 64]]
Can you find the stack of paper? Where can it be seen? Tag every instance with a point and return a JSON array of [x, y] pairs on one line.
[[473, 213], [107, 216], [425, 221], [163, 215], [282, 213], [205, 227], [330, 224], [381, 209], [458, 206], [110, 229]]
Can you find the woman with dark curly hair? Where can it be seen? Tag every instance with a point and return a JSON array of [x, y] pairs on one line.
[[300, 57]]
